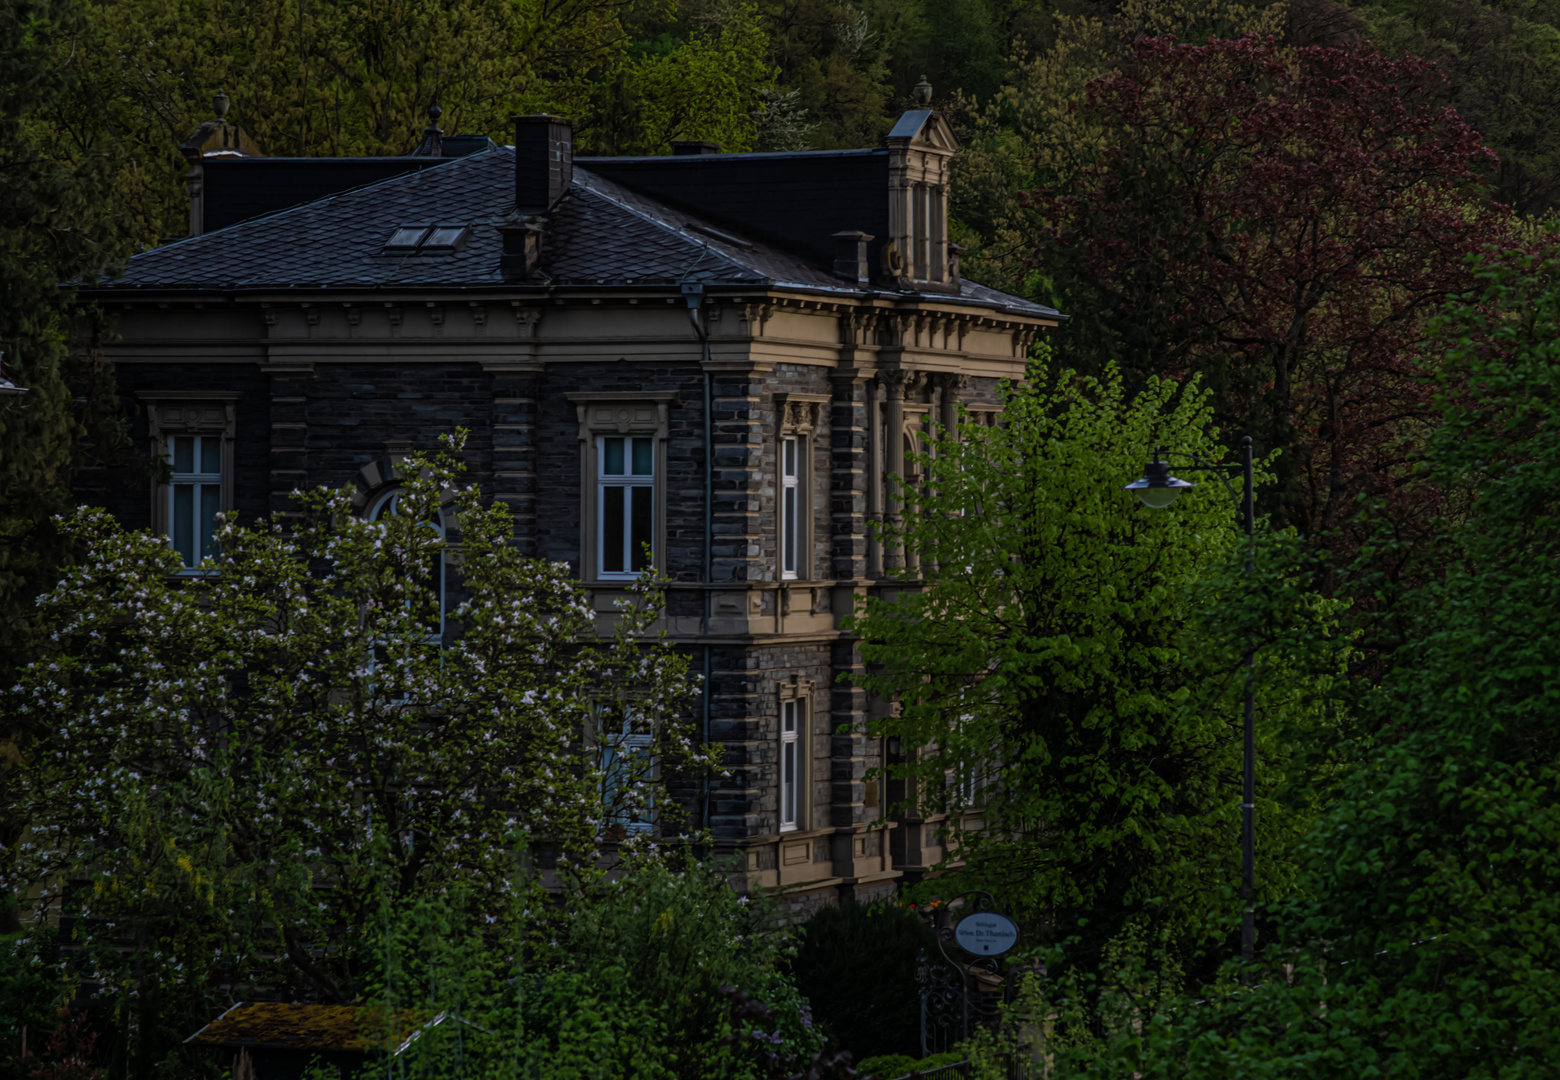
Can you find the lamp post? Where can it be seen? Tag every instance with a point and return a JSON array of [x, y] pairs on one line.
[[1158, 489], [7, 387]]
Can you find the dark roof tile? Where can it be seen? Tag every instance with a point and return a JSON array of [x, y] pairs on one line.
[[602, 233]]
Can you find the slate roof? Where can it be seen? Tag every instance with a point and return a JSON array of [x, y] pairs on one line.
[[601, 234]]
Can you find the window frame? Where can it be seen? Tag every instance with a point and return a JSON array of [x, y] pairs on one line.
[[792, 711], [792, 519], [205, 414], [198, 481], [795, 698], [636, 414], [630, 483], [799, 418]]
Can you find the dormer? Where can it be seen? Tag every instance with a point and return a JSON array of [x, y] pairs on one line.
[[920, 154]]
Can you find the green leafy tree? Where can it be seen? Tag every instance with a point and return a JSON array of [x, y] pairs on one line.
[[1503, 72], [703, 78], [1423, 938], [1034, 131], [55, 226], [1056, 659], [833, 72], [634, 973], [338, 77], [215, 750]]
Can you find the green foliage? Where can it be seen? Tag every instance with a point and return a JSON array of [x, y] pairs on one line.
[[894, 1066], [1058, 659], [354, 77], [216, 749], [1423, 939], [1034, 132], [1502, 63], [56, 224], [29, 999], [856, 965], [630, 976], [706, 86]]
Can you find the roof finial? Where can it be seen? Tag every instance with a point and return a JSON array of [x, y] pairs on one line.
[[432, 144], [220, 103], [923, 92]]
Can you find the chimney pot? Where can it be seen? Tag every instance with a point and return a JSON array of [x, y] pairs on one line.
[[522, 250], [544, 162], [850, 256]]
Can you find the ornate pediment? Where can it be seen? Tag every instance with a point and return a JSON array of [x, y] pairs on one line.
[[924, 130]]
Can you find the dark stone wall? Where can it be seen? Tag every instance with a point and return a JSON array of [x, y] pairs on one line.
[[558, 456], [745, 717], [353, 410], [792, 379], [125, 486]]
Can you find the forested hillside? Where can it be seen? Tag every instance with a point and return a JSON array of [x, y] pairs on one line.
[[355, 76]]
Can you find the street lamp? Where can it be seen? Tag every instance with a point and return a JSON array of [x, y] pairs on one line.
[[1158, 489], [7, 387]]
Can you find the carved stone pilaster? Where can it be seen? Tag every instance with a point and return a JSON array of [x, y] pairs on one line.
[[897, 384], [950, 387]]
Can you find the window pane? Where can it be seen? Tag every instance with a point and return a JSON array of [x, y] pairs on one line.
[[788, 784], [788, 716], [643, 534], [184, 454], [210, 504], [643, 457], [407, 236], [788, 528], [790, 457], [184, 521], [210, 454], [612, 527], [444, 236], [612, 463]]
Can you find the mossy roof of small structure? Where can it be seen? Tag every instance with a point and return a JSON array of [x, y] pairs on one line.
[[275, 1025]]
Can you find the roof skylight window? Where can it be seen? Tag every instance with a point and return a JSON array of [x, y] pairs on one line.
[[425, 239], [406, 238], [444, 236]]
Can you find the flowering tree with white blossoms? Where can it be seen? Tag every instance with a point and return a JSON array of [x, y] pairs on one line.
[[212, 752]]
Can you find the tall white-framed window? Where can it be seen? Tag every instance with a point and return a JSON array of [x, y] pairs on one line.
[[799, 417], [791, 521], [388, 504], [194, 495], [792, 725], [191, 432], [623, 447], [625, 505]]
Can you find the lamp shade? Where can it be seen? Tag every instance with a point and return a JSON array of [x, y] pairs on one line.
[[7, 387], [1157, 488]]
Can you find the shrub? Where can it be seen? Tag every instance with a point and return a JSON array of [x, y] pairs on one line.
[[856, 965], [895, 1066]]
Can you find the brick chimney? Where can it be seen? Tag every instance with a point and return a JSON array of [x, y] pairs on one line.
[[544, 162]]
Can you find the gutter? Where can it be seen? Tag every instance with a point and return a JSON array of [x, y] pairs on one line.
[[693, 292]]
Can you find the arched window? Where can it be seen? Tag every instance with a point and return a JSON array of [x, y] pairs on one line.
[[388, 504]]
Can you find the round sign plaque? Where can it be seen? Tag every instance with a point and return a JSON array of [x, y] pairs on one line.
[[986, 934]]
